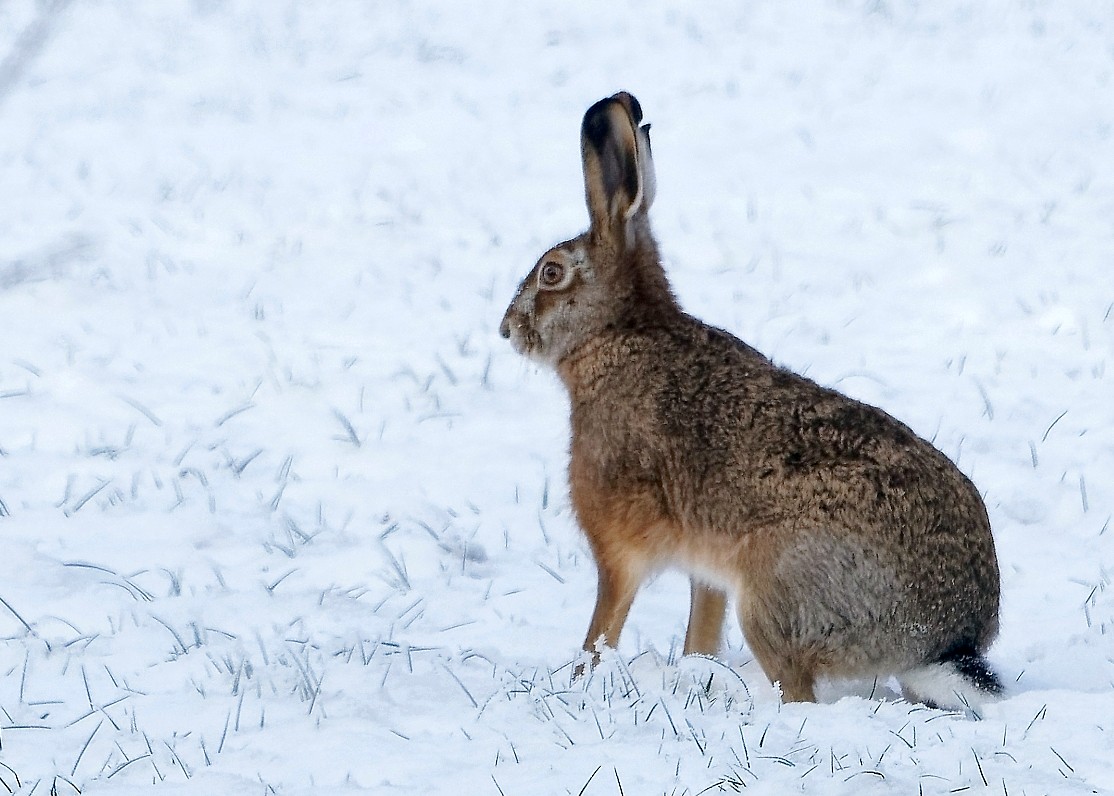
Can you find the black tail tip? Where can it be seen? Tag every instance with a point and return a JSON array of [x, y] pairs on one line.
[[974, 668]]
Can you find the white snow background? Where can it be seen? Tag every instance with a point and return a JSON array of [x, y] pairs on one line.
[[281, 513]]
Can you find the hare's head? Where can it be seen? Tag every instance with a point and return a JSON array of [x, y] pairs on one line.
[[609, 275]]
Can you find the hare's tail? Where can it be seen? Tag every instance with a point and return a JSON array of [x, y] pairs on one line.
[[960, 679]]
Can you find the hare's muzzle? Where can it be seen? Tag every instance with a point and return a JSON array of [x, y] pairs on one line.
[[516, 328]]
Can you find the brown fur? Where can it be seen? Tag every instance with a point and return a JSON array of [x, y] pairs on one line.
[[850, 545]]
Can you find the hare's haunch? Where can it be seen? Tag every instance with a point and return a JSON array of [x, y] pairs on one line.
[[850, 546]]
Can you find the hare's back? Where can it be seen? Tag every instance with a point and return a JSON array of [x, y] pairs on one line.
[[755, 438]]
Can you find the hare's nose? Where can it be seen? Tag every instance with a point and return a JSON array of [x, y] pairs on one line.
[[505, 328]]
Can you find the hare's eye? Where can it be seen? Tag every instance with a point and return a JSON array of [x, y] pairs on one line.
[[552, 274]]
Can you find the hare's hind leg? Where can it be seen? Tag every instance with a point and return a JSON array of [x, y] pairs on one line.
[[794, 669], [705, 619]]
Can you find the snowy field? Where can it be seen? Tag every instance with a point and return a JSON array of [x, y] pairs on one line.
[[281, 513]]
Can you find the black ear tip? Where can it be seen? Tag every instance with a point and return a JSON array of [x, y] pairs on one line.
[[635, 107], [597, 126], [628, 101]]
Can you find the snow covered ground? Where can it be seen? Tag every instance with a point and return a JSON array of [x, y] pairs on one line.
[[280, 512]]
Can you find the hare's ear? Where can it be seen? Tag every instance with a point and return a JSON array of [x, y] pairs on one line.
[[618, 171]]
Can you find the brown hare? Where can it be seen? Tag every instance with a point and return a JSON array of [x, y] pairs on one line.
[[850, 546]]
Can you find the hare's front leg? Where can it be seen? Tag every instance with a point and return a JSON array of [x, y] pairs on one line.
[[706, 612], [617, 586]]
